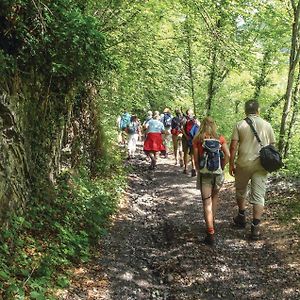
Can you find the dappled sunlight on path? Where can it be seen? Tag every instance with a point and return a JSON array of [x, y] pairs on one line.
[[153, 251]]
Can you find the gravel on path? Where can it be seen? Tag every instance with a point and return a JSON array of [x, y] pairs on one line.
[[153, 249]]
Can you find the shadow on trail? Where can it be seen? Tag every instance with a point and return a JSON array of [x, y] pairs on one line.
[[153, 251]]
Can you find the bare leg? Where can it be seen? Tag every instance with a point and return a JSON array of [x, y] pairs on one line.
[[185, 160], [215, 203], [153, 160], [258, 211], [175, 147], [180, 159], [180, 152], [208, 207], [192, 161], [241, 203]]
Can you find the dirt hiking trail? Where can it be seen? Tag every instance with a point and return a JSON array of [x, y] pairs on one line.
[[153, 249]]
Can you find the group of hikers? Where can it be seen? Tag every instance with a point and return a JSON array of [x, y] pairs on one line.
[[207, 150], [158, 131]]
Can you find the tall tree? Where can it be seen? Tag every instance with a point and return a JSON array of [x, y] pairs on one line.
[[190, 63], [295, 106], [261, 79], [293, 62]]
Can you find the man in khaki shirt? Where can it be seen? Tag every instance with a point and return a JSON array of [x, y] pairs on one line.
[[247, 166]]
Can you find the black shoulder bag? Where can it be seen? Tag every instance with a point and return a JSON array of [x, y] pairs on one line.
[[270, 158]]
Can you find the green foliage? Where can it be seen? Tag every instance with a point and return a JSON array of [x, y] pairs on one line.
[[292, 162], [5, 63], [49, 50], [52, 235], [135, 55], [41, 32]]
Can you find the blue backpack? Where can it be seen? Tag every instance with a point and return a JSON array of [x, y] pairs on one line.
[[176, 123], [125, 120], [192, 133], [210, 162], [167, 120], [132, 128]]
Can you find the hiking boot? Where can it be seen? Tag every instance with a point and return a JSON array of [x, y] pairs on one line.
[[255, 232], [240, 221], [193, 173], [209, 240], [184, 171]]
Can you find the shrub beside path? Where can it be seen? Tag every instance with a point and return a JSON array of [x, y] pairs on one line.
[[153, 248]]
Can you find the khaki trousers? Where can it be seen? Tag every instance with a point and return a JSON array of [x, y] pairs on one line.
[[252, 178]]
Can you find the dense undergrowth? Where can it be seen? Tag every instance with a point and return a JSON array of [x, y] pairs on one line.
[[54, 233]]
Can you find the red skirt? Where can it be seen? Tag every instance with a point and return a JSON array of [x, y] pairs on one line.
[[154, 142]]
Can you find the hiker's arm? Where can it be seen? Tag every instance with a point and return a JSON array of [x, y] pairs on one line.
[[196, 157], [226, 152], [232, 149]]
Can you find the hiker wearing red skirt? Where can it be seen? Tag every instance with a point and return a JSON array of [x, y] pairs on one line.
[[154, 141], [144, 125]]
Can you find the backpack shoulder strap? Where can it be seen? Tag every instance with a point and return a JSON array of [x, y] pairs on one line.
[[250, 123]]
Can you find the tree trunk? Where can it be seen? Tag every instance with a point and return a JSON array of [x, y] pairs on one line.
[[294, 115], [212, 78], [97, 149], [191, 75], [217, 73], [261, 82], [294, 60], [14, 174], [271, 108]]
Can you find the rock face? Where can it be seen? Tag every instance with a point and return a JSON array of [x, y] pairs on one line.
[[13, 163]]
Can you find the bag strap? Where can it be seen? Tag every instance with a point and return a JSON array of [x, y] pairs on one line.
[[250, 123]]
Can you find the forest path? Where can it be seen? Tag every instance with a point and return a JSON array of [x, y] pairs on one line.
[[153, 248]]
